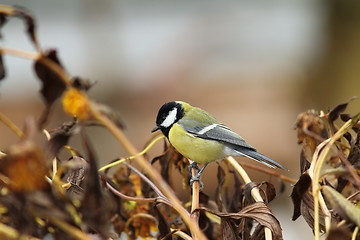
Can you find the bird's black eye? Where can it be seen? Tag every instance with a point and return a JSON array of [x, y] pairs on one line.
[[163, 117]]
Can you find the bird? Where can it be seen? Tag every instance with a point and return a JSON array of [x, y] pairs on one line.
[[201, 138]]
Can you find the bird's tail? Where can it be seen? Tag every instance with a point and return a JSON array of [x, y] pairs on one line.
[[253, 154]]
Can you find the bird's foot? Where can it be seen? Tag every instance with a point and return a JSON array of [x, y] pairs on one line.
[[196, 178], [193, 165]]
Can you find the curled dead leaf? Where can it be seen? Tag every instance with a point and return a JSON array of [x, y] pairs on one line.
[[25, 16], [52, 85], [60, 136], [300, 189], [29, 24], [338, 110], [220, 193], [311, 131], [81, 84], [96, 204], [257, 211]]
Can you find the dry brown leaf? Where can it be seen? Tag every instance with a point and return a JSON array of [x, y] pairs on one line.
[[52, 85], [300, 189], [257, 211]]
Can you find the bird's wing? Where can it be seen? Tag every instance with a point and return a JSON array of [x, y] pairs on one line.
[[259, 157], [218, 132]]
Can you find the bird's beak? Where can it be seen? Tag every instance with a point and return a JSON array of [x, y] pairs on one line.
[[155, 129]]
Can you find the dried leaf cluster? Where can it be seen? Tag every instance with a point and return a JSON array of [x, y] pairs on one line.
[[47, 195], [327, 192]]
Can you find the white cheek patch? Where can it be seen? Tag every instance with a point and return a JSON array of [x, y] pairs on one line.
[[207, 128], [170, 119]]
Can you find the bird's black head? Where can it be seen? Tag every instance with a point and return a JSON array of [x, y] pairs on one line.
[[168, 114]]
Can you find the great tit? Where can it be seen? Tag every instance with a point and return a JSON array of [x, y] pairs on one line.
[[198, 136]]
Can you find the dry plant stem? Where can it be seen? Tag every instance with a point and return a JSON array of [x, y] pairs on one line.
[[137, 199], [11, 125], [20, 53], [195, 194], [355, 232], [195, 198], [11, 233], [154, 175], [143, 177], [269, 172], [353, 195], [5, 9], [315, 191], [350, 169], [38, 57], [123, 160], [69, 229], [180, 234], [255, 193], [11, 11]]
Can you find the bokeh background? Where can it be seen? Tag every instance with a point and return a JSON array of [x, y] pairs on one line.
[[255, 65]]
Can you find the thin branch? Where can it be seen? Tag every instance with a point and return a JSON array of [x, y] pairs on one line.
[[55, 68], [11, 233], [11, 125], [20, 53], [316, 189], [351, 169], [180, 233], [122, 160], [136, 199], [355, 232], [269, 172], [69, 229], [147, 180]]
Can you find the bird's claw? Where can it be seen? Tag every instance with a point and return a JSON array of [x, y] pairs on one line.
[[196, 179], [197, 176], [193, 165]]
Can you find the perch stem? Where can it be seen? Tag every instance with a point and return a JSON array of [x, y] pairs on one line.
[[195, 198]]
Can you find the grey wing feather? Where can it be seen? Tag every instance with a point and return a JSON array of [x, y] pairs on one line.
[[224, 134], [260, 158], [219, 133]]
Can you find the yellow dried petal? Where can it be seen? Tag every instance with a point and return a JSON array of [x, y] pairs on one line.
[[76, 103]]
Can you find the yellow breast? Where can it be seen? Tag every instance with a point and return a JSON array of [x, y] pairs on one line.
[[196, 149]]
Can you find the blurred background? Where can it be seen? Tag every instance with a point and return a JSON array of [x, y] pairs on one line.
[[255, 65]]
